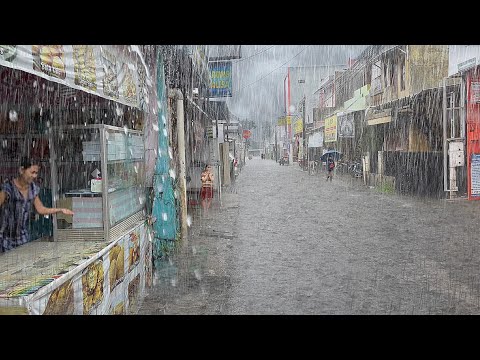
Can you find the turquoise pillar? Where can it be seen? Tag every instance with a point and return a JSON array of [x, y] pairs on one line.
[[164, 204]]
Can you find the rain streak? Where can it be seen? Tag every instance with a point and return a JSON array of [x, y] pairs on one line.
[[239, 179]]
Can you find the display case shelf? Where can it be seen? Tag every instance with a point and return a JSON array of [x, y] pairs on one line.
[[84, 151]]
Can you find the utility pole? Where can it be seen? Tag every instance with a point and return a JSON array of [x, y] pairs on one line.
[[286, 136]]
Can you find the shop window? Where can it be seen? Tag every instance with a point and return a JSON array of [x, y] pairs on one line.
[[403, 75], [376, 78]]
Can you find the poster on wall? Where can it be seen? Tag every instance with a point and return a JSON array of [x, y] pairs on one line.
[[84, 66], [111, 69], [346, 127], [127, 84], [61, 300], [142, 86], [116, 267], [116, 278], [475, 175], [108, 71], [475, 90], [8, 52], [133, 250], [49, 59], [92, 287], [134, 295], [147, 264]]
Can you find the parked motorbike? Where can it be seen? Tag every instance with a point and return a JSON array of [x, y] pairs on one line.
[[283, 160], [356, 170]]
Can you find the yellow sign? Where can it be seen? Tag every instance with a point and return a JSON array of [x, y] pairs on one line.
[[330, 129], [281, 121], [298, 126]]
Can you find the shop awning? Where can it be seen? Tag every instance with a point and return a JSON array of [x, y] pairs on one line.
[[380, 120], [114, 72]]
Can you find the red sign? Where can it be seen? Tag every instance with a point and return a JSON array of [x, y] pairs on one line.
[[247, 134]]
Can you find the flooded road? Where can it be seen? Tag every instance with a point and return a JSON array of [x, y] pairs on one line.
[[286, 242]]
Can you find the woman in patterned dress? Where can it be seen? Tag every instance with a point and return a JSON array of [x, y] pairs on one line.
[[16, 198]]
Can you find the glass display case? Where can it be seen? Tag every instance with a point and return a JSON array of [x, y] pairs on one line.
[[98, 173]]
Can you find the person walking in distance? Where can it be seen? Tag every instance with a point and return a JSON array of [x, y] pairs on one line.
[[330, 167], [206, 193]]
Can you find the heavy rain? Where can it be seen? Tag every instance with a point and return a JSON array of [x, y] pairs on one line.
[[239, 179]]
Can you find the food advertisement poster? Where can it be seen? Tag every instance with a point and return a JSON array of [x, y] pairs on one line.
[[109, 71], [142, 86], [127, 82], [8, 52], [116, 271], [49, 59], [61, 300], [112, 282], [133, 249], [84, 66], [92, 287], [111, 67], [147, 263]]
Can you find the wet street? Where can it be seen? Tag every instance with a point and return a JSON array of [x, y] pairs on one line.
[[285, 242]]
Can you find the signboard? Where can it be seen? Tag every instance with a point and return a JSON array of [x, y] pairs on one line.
[[298, 126], [331, 129], [475, 90], [470, 63], [211, 131], [286, 119], [220, 78], [315, 140], [475, 175]]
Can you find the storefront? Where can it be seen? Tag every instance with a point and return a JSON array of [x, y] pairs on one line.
[[462, 138], [81, 112]]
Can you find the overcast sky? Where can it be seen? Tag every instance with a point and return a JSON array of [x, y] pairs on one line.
[[258, 75]]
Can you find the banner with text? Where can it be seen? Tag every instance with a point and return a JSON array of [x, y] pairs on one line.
[[112, 72], [220, 78]]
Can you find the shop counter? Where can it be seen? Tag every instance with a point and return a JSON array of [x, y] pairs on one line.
[[77, 277]]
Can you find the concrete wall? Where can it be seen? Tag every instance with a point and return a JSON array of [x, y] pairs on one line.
[[427, 65]]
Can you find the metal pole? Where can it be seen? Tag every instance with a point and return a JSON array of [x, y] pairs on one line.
[[276, 145], [181, 152]]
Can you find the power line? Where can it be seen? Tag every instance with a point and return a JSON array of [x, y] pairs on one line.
[[260, 52]]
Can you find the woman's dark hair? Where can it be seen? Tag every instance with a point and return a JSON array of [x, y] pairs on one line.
[[26, 162]]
